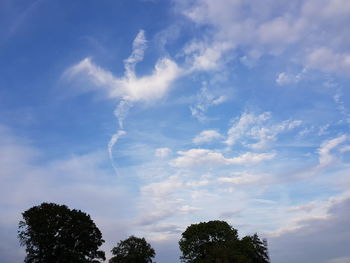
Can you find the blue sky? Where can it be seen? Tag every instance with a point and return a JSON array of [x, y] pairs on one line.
[[153, 115]]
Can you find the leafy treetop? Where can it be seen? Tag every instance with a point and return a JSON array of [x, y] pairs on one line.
[[55, 233], [132, 250], [218, 242]]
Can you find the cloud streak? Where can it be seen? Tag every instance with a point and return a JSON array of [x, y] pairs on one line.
[[325, 156], [255, 132], [204, 101], [204, 157]]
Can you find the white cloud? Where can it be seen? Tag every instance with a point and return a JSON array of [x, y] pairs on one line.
[[202, 182], [254, 127], [243, 124], [114, 139], [161, 190], [205, 100], [162, 152], [121, 111], [323, 130], [138, 49], [265, 135], [242, 178], [146, 88], [325, 155], [188, 209], [284, 78], [207, 136], [340, 103], [240, 127], [329, 156], [304, 207], [130, 87], [203, 157], [345, 149], [219, 100], [328, 60], [280, 30], [271, 27], [206, 57]]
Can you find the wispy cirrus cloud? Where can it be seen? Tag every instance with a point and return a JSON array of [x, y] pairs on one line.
[[162, 152], [200, 157], [346, 148], [240, 127], [207, 136], [138, 49], [284, 78], [325, 151], [274, 28], [205, 57], [330, 155], [254, 130], [205, 99], [243, 178]]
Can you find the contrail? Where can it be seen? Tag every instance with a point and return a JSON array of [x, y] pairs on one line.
[[138, 49], [129, 88], [121, 111], [111, 143]]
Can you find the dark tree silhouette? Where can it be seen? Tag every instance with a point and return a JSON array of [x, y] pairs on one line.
[[54, 233], [255, 249], [218, 242], [208, 242], [132, 250]]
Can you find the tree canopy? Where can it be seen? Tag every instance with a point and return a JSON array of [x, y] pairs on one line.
[[56, 234], [218, 242], [255, 248], [132, 250]]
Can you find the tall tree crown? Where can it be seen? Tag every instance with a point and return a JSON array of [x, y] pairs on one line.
[[54, 233], [132, 250]]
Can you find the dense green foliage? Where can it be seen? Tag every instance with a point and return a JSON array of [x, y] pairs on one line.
[[218, 242], [132, 250], [54, 233]]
